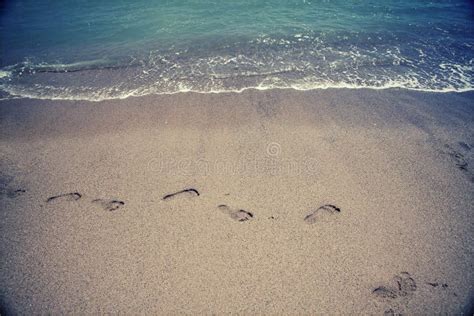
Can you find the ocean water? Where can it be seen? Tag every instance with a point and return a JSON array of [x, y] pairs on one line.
[[95, 50]]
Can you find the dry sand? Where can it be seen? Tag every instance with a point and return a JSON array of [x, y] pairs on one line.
[[396, 165]]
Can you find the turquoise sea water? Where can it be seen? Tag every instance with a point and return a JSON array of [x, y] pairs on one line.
[[94, 50]]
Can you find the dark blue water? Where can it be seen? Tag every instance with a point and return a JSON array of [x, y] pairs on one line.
[[94, 50]]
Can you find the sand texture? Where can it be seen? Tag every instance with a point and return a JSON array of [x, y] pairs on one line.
[[263, 202]]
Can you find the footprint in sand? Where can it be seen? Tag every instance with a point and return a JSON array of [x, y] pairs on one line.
[[73, 196], [314, 216], [459, 160], [462, 157], [11, 193], [109, 205], [391, 312], [436, 284], [441, 286], [236, 214], [401, 286], [6, 187], [189, 192]]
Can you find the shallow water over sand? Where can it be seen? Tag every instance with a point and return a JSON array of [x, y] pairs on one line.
[[113, 49]]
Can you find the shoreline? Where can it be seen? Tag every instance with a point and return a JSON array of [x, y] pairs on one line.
[[321, 201], [246, 89]]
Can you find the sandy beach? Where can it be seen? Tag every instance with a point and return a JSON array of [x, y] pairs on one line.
[[260, 202]]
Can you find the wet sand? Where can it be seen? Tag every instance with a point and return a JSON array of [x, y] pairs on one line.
[[275, 202]]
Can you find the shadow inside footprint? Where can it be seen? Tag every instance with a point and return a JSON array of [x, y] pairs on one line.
[[6, 187], [238, 215], [406, 284], [109, 205], [15, 193], [402, 285], [385, 292], [436, 284], [459, 160], [314, 216], [73, 196], [391, 312], [460, 154], [191, 192]]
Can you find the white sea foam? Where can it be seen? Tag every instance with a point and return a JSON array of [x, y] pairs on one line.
[[4, 74], [85, 94], [266, 64]]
